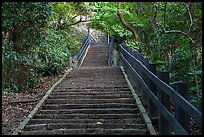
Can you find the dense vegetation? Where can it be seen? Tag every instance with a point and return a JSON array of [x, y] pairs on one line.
[[37, 39], [169, 33]]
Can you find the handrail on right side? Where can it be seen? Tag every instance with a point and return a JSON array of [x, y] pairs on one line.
[[128, 59]]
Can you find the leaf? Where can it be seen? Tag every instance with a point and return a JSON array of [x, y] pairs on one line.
[[61, 129], [16, 88], [193, 88], [14, 55], [198, 72], [99, 123], [65, 54]]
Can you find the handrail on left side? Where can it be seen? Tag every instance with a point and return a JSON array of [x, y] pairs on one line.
[[83, 49]]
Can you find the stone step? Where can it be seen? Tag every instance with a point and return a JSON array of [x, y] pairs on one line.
[[79, 106], [88, 87], [88, 96], [88, 131], [89, 101], [136, 120], [85, 116], [95, 73], [82, 125], [90, 111], [105, 88], [113, 93], [111, 82], [95, 90]]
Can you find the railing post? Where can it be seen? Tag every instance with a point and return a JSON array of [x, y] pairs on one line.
[[139, 57], [70, 62], [126, 57], [88, 31], [115, 57], [108, 39], [135, 85], [110, 51], [180, 115], [164, 125], [144, 77], [152, 109], [129, 58], [121, 59], [200, 106]]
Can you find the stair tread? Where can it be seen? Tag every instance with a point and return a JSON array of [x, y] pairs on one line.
[[100, 131]]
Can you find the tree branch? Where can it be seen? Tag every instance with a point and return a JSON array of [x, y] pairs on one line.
[[181, 32], [189, 13], [75, 22], [155, 16], [75, 16], [174, 31], [127, 26], [165, 16]]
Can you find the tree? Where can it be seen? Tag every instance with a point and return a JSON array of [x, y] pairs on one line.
[[22, 26], [32, 46], [169, 34]]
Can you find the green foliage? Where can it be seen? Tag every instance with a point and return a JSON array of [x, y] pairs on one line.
[[53, 53], [64, 13], [171, 52], [22, 25], [32, 46]]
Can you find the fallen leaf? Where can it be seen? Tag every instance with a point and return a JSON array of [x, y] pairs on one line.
[[98, 123], [61, 129]]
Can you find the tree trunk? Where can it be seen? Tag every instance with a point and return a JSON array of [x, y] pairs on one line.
[[128, 26]]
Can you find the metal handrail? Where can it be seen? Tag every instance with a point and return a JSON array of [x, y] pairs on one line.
[[83, 48]]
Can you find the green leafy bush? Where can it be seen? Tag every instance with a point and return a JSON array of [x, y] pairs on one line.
[[32, 46]]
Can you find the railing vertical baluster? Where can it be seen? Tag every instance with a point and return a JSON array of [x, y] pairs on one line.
[[180, 115], [164, 125], [152, 111]]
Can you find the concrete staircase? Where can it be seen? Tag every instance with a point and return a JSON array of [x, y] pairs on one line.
[[92, 100]]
